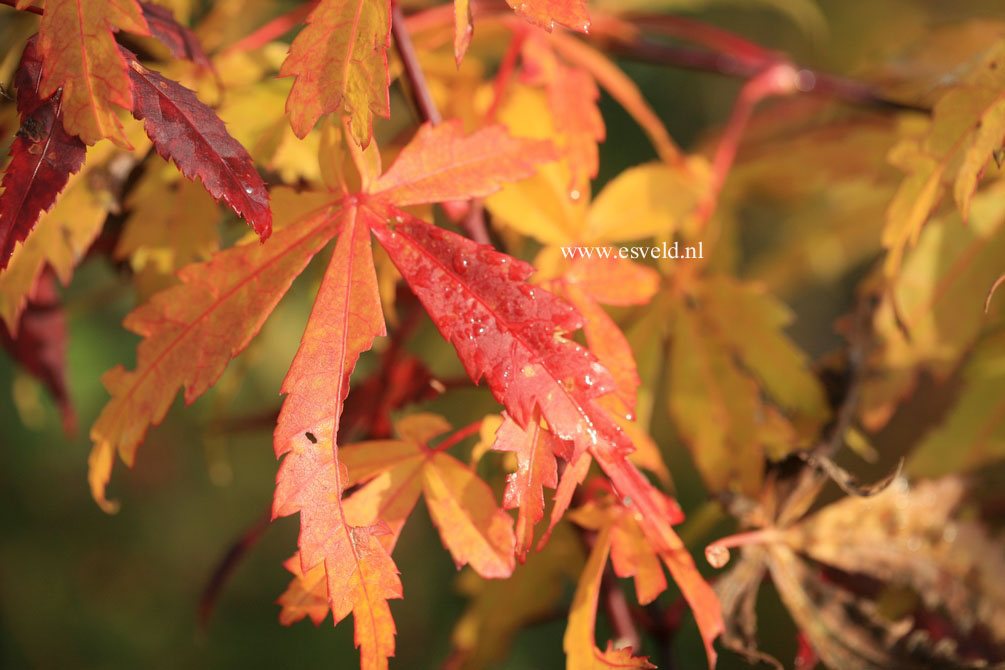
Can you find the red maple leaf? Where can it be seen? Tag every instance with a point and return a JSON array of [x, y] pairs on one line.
[[180, 41], [39, 344], [43, 156], [188, 132]]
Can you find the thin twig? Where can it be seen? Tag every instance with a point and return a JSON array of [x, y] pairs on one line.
[[778, 79], [474, 220], [810, 479], [619, 614], [273, 29], [459, 435], [504, 74], [703, 60], [622, 620], [413, 70], [228, 564], [32, 9]]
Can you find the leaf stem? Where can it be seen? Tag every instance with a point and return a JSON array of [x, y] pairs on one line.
[[505, 73], [33, 9], [474, 221], [228, 565], [459, 434], [273, 29], [778, 79], [704, 60], [717, 553], [413, 70]]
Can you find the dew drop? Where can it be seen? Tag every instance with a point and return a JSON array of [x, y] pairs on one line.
[[574, 194], [248, 190], [716, 555], [461, 265]]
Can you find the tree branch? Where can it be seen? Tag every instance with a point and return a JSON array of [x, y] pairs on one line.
[[32, 9], [228, 564], [474, 219], [704, 60], [413, 70]]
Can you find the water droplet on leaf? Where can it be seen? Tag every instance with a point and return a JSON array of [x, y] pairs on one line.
[[716, 555]]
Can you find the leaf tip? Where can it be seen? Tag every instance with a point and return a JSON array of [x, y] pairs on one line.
[[99, 465]]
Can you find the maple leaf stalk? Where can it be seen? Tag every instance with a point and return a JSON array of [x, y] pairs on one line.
[[31, 8], [275, 28], [413, 69], [458, 435], [619, 613], [474, 220], [505, 73]]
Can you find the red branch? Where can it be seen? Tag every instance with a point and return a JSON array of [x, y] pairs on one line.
[[505, 73], [779, 79], [413, 70]]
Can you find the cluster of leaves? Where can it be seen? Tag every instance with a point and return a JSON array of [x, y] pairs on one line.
[[759, 421]]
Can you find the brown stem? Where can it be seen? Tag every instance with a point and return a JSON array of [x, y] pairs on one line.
[[813, 81], [727, 54], [228, 564], [619, 613], [811, 479], [474, 221], [32, 9]]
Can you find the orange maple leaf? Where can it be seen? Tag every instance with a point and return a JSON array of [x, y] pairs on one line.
[[572, 97], [579, 644], [192, 331], [360, 575], [546, 13], [536, 468], [393, 473], [80, 56]]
